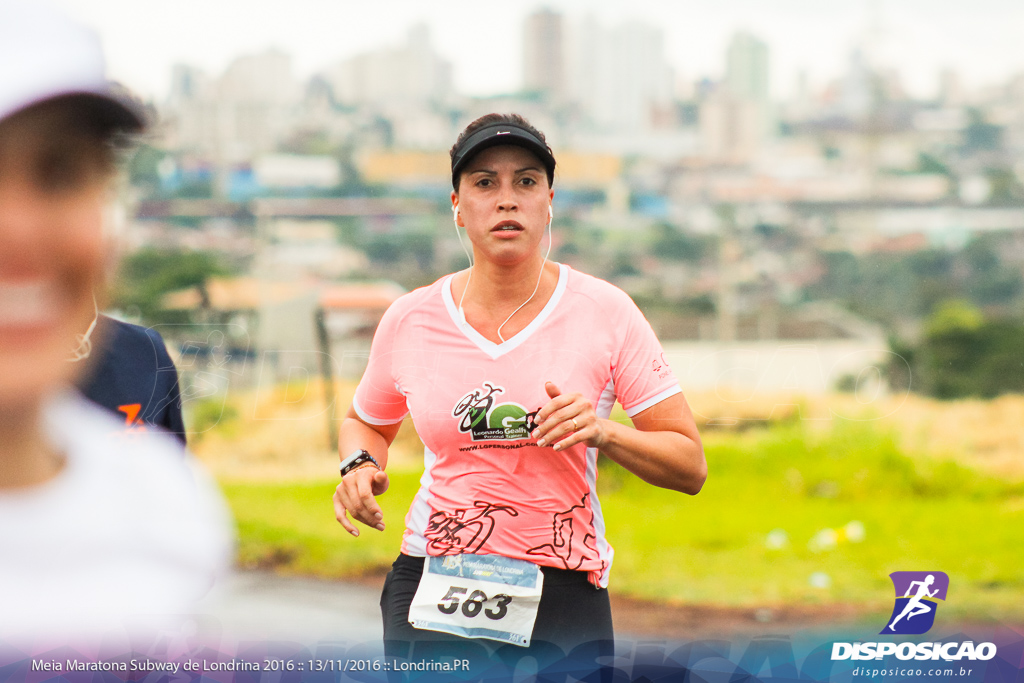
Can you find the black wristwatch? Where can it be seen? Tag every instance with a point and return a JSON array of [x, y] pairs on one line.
[[355, 460]]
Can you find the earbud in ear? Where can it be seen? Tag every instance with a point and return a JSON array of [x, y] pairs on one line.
[[551, 213], [455, 214]]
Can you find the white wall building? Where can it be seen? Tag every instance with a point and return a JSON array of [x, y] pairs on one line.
[[244, 113], [732, 129], [400, 76], [618, 76], [737, 118], [746, 67], [544, 54]]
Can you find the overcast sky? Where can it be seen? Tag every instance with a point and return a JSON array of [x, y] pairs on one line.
[[982, 39]]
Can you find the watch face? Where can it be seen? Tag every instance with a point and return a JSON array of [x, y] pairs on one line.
[[355, 460], [355, 454]]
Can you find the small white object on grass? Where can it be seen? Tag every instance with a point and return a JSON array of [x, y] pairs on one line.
[[854, 531], [820, 580], [777, 539], [826, 539]]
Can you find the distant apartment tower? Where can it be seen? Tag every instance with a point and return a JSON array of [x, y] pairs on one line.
[[544, 54], [410, 74], [858, 95], [264, 77], [259, 95], [618, 76], [746, 67], [952, 92], [191, 114], [736, 118], [244, 113], [187, 84], [731, 128]]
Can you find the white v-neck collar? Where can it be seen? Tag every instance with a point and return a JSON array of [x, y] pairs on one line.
[[486, 345]]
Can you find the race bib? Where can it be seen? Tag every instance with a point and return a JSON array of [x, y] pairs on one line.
[[478, 596]]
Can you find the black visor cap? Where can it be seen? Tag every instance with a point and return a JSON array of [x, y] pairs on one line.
[[501, 134]]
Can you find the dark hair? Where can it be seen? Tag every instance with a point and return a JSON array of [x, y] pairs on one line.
[[495, 119], [82, 142]]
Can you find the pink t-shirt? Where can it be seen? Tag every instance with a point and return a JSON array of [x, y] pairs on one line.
[[487, 487]]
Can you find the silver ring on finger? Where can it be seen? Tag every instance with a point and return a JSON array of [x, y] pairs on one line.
[[575, 427]]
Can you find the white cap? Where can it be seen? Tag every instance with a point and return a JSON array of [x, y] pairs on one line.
[[44, 54]]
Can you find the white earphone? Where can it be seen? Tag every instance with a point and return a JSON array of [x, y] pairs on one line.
[[551, 218], [84, 348], [458, 233]]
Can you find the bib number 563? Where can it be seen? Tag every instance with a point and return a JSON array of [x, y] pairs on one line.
[[474, 603]]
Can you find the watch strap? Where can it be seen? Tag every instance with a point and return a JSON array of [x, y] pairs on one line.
[[360, 457]]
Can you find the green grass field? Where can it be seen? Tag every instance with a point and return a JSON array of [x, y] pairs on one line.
[[746, 539]]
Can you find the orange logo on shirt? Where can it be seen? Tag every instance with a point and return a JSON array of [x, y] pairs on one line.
[[131, 414]]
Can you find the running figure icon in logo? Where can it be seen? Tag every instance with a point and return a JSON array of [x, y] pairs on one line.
[[915, 601]]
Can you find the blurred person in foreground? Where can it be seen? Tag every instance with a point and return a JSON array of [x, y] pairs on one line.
[[97, 529], [510, 370]]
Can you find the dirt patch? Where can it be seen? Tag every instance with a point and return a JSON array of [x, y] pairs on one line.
[[638, 617], [693, 622], [635, 617]]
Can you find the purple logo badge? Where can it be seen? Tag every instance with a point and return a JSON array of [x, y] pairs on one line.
[[916, 595]]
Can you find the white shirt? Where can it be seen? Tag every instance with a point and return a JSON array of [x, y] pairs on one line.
[[129, 529]]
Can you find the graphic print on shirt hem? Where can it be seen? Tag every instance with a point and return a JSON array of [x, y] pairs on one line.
[[465, 530], [561, 547]]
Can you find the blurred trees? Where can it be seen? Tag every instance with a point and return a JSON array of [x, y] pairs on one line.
[[147, 275], [143, 167], [668, 242], [980, 135], [892, 287], [955, 313], [962, 354]]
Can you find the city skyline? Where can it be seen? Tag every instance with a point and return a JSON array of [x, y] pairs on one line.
[[977, 40]]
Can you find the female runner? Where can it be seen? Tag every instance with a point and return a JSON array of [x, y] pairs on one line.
[[510, 370]]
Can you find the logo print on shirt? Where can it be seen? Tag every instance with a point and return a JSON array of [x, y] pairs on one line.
[[131, 414], [660, 365], [484, 420]]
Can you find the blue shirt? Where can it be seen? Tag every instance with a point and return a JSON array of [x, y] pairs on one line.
[[133, 376]]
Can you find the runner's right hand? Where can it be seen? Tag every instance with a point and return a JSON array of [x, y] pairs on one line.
[[355, 496]]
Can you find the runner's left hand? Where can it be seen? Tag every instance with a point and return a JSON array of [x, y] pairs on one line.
[[555, 421]]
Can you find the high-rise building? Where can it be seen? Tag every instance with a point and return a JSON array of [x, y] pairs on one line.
[[544, 54], [187, 83], [746, 67], [736, 118], [859, 93], [264, 77], [731, 128], [618, 76], [244, 113], [408, 74], [952, 92]]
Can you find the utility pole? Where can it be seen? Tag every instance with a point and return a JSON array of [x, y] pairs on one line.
[[330, 397], [729, 253]]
